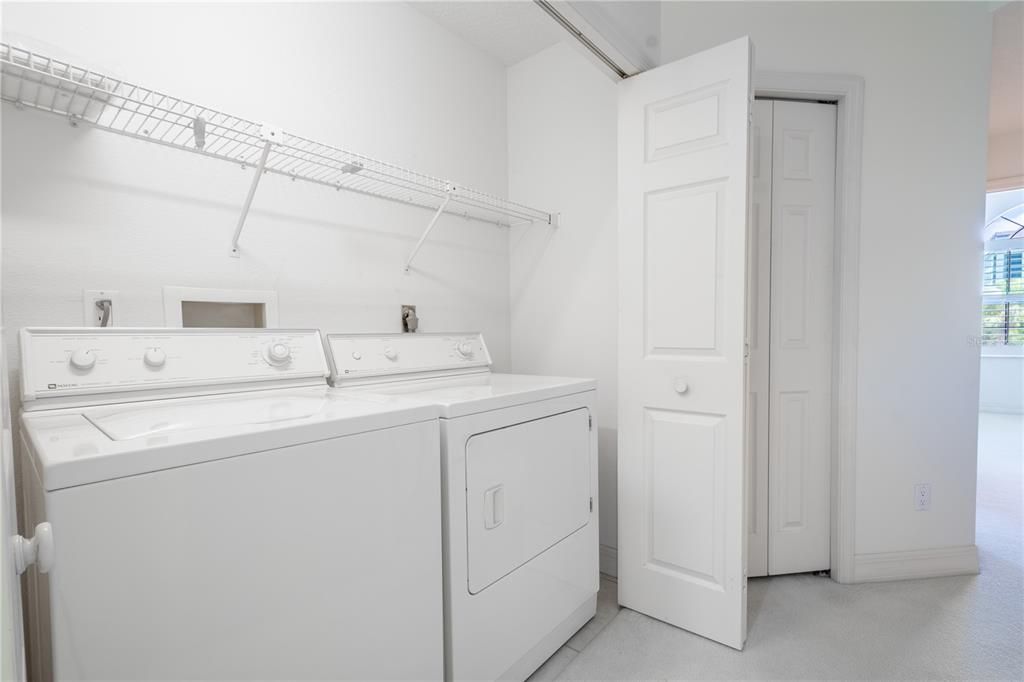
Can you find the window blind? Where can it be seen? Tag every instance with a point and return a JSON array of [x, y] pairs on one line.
[[1003, 298]]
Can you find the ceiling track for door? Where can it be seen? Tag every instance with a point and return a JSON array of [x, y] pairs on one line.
[[576, 33], [85, 98]]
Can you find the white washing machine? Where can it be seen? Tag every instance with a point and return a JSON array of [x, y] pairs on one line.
[[218, 513], [519, 468]]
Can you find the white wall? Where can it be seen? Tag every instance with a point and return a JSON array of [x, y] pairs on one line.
[[1006, 113], [926, 72], [84, 209], [562, 154], [1002, 383], [1006, 160]]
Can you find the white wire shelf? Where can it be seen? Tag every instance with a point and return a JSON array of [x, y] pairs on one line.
[[85, 97]]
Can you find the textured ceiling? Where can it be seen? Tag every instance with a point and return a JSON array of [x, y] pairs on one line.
[[508, 31]]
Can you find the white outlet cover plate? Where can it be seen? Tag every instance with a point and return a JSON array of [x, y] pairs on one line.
[[89, 310]]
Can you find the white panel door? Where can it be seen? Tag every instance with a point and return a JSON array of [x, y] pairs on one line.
[[758, 326], [803, 189], [683, 182]]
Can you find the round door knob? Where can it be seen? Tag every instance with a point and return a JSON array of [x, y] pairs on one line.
[[278, 353], [154, 357], [83, 359], [465, 349], [38, 550], [681, 386], [391, 354]]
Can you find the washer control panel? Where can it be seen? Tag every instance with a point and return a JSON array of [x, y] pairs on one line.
[[368, 355], [60, 362]]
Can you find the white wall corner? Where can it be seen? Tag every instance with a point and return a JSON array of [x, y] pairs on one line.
[[609, 560], [920, 563]]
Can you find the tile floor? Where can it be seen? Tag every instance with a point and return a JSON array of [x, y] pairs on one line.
[[808, 627]]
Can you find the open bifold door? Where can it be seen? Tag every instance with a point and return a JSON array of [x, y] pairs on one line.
[[683, 185]]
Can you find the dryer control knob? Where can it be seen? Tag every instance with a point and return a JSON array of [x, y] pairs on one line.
[[464, 348], [83, 359], [391, 354], [154, 357], [278, 353]]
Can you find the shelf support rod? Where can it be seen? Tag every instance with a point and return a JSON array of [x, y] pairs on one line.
[[430, 226], [249, 197]]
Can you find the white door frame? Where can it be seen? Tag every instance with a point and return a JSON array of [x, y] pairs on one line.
[[849, 92]]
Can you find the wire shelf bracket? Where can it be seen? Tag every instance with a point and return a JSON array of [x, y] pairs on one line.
[[88, 99], [450, 190], [268, 134]]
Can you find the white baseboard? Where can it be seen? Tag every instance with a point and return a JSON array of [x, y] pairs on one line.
[[609, 560], [920, 563]]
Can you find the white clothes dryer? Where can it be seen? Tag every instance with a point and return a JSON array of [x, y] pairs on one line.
[[218, 513], [519, 472]]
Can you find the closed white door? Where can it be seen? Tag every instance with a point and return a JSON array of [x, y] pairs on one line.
[[683, 183], [791, 344]]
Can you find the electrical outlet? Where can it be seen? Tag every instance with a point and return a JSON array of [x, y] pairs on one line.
[[93, 313], [922, 496]]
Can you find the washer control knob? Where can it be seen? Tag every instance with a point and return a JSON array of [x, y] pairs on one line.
[[390, 353], [83, 359], [278, 353], [464, 348], [154, 357], [356, 355]]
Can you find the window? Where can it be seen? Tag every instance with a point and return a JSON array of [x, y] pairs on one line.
[[1003, 298]]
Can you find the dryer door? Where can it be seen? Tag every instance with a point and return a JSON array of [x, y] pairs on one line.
[[527, 488]]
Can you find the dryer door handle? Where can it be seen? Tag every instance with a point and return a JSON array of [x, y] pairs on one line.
[[494, 507]]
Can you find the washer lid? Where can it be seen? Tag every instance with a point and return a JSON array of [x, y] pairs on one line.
[[135, 421], [75, 446]]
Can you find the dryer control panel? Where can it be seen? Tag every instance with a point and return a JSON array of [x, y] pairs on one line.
[[60, 362], [379, 355]]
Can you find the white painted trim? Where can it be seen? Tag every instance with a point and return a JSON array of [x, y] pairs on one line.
[[1004, 184], [920, 563], [609, 560], [849, 92], [999, 408], [996, 245], [173, 297]]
